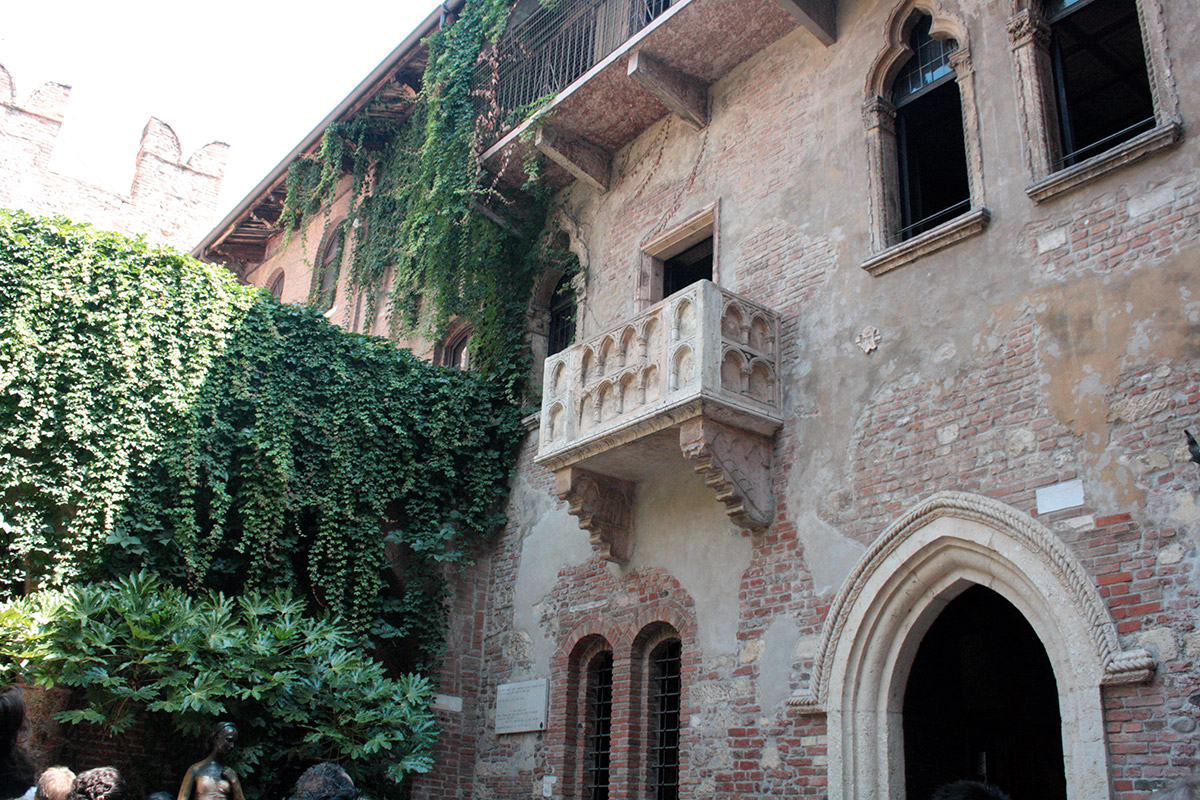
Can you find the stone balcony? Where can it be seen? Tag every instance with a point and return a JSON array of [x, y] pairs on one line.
[[694, 377]]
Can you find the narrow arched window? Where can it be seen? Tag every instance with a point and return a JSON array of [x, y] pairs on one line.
[[930, 147], [275, 289], [561, 332], [455, 350], [328, 266], [598, 724], [666, 692]]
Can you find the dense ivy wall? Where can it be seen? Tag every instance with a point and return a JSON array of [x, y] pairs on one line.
[[154, 413]]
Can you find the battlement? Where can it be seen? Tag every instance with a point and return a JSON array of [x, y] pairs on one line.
[[171, 199]]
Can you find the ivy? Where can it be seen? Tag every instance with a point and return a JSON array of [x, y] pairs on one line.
[[154, 413], [418, 198]]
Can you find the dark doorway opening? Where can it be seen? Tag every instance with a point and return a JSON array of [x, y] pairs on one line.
[[982, 704], [684, 269]]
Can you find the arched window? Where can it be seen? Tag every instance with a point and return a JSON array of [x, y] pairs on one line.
[[598, 726], [329, 264], [923, 134], [275, 287], [562, 316], [665, 695], [1095, 88], [931, 152], [455, 350]]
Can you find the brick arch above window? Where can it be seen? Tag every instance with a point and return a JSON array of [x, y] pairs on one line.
[[892, 244]]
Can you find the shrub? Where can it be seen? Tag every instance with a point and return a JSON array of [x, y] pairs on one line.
[[299, 688]]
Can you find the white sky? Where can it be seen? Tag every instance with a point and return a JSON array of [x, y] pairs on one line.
[[256, 74]]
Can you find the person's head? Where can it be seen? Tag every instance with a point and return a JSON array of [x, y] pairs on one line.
[[324, 781], [1184, 789], [224, 737], [969, 790], [54, 784], [12, 717], [102, 783]]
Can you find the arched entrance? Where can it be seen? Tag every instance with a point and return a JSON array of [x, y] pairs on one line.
[[898, 590], [982, 703]]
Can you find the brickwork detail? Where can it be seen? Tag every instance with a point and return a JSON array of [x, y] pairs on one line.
[[171, 199]]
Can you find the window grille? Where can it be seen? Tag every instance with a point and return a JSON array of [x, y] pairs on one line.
[[665, 696], [562, 317], [599, 726]]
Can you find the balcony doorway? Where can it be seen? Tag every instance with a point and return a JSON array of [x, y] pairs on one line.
[[981, 703]]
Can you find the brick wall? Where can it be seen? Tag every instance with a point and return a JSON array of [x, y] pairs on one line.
[[171, 199]]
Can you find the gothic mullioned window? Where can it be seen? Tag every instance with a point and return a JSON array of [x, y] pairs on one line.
[[923, 138], [329, 264], [1095, 88]]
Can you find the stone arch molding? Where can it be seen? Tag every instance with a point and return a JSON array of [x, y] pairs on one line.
[[924, 560]]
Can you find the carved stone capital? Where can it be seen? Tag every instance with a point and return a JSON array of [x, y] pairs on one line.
[[737, 464], [604, 507], [1128, 668], [1026, 27], [878, 112]]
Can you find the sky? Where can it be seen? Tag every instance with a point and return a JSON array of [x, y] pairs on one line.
[[256, 74]]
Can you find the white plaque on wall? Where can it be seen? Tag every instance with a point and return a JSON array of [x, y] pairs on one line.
[[521, 707]]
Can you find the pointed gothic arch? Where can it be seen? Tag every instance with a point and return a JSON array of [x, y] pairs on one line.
[[924, 560]]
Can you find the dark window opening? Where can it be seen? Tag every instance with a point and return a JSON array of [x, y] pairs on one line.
[[684, 269], [1101, 83], [982, 703], [665, 694], [562, 317], [276, 287], [932, 153], [599, 726]]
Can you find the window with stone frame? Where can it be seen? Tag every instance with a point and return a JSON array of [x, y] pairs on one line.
[[684, 254], [455, 348], [923, 139], [1094, 87]]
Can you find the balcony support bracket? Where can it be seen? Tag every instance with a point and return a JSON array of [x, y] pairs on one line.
[[685, 96], [735, 463], [584, 160], [604, 507], [818, 16]]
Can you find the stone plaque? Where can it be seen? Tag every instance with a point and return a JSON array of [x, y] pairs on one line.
[[521, 707]]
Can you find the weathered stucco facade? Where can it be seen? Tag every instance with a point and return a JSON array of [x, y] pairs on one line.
[[1000, 401]]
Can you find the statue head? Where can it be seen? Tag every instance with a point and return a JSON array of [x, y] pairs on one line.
[[224, 737]]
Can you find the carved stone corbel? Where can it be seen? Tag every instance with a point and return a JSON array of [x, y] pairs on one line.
[[735, 463], [604, 507]]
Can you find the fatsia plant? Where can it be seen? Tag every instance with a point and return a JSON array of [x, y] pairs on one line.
[[299, 688]]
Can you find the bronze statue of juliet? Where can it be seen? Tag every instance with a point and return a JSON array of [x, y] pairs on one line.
[[210, 779]]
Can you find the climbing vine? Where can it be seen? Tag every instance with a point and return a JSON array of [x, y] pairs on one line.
[[154, 413], [419, 196]]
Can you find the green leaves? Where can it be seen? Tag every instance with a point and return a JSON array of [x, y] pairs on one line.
[[299, 687]]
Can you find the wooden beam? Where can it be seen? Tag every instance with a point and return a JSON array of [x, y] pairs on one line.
[[584, 160], [819, 16], [681, 93]]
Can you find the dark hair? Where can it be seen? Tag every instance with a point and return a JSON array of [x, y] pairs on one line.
[[102, 783], [55, 783], [16, 772], [324, 781], [969, 790]]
